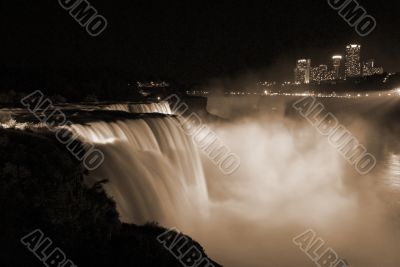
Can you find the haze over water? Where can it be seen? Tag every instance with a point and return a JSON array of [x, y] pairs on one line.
[[290, 180]]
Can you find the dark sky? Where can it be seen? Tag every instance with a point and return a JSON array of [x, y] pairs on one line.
[[192, 40]]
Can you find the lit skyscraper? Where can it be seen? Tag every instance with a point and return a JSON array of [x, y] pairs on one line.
[[320, 73], [302, 71], [353, 65], [337, 63]]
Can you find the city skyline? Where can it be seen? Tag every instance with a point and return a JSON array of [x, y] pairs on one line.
[[352, 63], [149, 41]]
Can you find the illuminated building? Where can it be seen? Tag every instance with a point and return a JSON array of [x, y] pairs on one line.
[[320, 73], [302, 72], [314, 74], [369, 68], [337, 63], [331, 75], [353, 65]]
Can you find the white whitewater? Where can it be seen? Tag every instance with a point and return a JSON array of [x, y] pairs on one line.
[[392, 176], [290, 180], [154, 169], [161, 108]]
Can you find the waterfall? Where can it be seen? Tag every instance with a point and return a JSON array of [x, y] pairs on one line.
[[161, 107], [392, 175], [154, 169]]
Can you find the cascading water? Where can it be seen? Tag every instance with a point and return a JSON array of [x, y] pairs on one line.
[[392, 177], [290, 180], [153, 168]]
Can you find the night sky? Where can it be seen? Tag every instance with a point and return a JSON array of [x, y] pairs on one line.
[[192, 40]]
